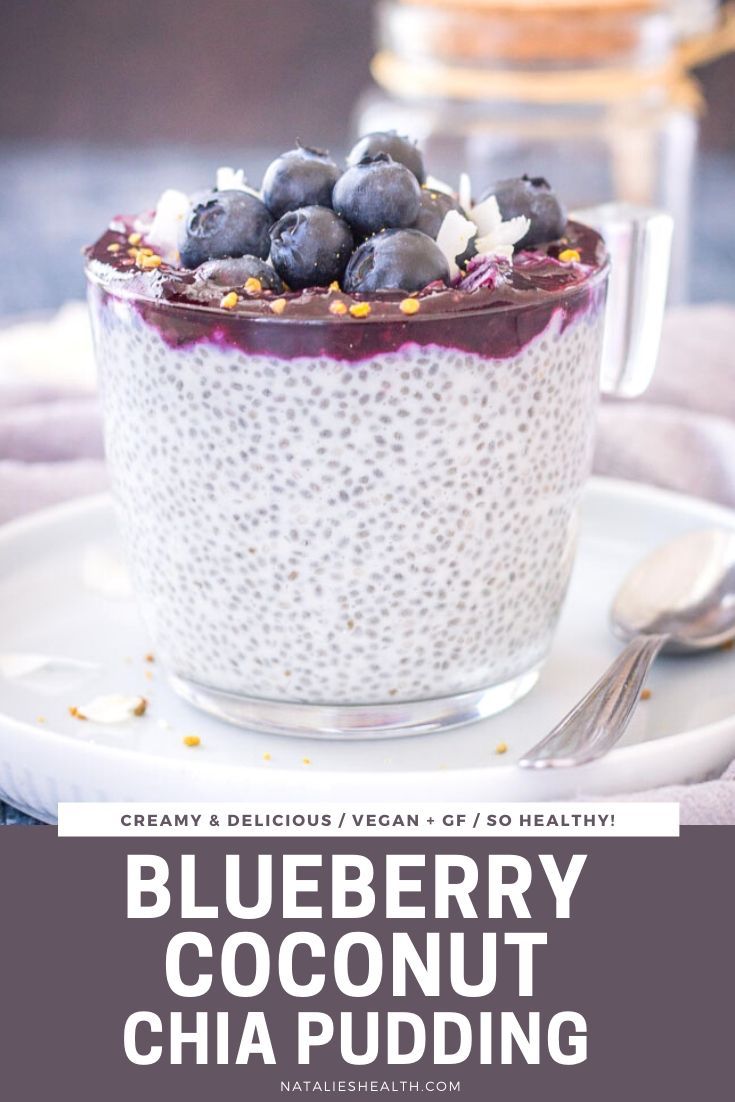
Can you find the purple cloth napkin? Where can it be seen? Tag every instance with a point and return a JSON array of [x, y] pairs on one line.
[[681, 436], [50, 447], [711, 803]]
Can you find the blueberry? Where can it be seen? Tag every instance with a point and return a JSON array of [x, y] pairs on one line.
[[231, 273], [435, 205], [224, 223], [300, 178], [400, 149], [405, 260], [434, 208], [310, 247], [376, 194], [533, 198]]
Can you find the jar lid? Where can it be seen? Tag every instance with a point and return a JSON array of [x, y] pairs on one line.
[[614, 50], [491, 33]]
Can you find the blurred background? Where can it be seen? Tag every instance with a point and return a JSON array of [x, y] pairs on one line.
[[106, 103]]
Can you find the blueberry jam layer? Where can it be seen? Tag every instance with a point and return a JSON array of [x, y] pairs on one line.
[[497, 321]]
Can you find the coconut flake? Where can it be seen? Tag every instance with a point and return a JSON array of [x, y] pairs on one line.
[[465, 192], [113, 708], [455, 234], [230, 179], [171, 209], [17, 665], [14, 666], [494, 236], [486, 215], [45, 673], [433, 183]]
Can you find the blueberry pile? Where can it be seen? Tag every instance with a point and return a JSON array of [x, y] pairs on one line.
[[371, 226]]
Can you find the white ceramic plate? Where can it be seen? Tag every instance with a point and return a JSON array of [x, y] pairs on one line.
[[684, 732]]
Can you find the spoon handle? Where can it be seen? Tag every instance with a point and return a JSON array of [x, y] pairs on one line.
[[595, 724]]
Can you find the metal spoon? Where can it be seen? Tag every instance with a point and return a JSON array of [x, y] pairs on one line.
[[680, 599]]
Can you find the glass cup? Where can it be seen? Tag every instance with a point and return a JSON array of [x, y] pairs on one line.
[[336, 535]]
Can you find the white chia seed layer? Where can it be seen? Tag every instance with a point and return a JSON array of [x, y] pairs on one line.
[[315, 531]]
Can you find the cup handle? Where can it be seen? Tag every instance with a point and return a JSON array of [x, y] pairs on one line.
[[639, 242]]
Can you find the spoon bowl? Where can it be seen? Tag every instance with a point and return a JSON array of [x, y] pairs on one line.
[[684, 590], [681, 599]]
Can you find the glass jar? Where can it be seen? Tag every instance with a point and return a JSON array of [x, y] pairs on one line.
[[345, 527], [361, 521], [588, 95]]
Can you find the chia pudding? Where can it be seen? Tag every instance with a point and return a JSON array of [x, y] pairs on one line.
[[350, 507]]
